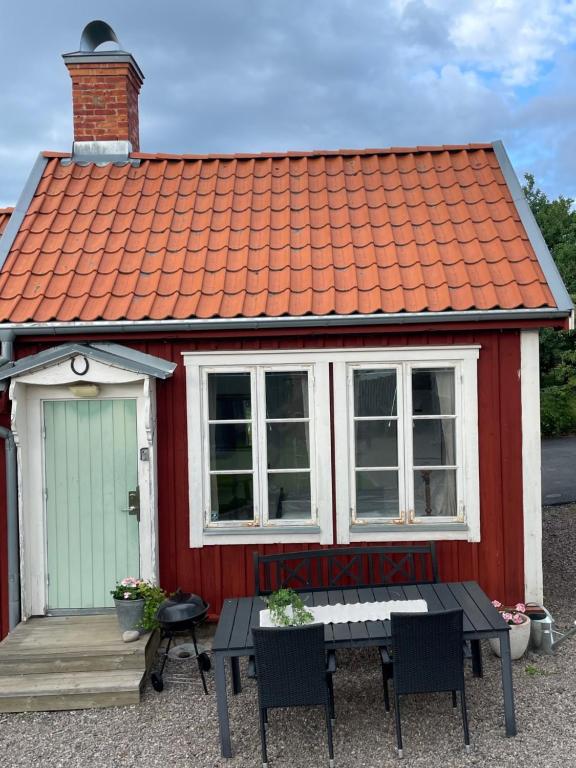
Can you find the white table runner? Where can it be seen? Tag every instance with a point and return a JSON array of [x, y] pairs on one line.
[[341, 614]]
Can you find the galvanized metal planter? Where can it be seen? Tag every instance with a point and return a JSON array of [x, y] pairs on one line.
[[129, 614]]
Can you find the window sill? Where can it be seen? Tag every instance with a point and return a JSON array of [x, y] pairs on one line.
[[416, 532], [284, 535]]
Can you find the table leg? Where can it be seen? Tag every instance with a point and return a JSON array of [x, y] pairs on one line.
[[507, 688], [476, 649], [236, 680], [222, 705]]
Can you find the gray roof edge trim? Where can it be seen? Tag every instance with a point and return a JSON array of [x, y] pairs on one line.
[[21, 208], [128, 353], [126, 362], [41, 359], [545, 258], [305, 321], [121, 356]]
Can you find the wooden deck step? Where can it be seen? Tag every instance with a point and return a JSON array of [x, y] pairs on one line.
[[72, 662], [62, 690], [92, 660]]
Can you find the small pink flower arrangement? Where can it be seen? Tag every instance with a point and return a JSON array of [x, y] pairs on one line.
[[130, 589], [510, 615]]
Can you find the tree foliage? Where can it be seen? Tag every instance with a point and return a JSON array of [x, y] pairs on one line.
[[557, 221]]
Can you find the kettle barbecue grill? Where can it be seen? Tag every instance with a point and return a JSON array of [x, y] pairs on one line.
[[181, 613]]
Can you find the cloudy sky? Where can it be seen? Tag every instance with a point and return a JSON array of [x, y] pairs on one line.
[[255, 75]]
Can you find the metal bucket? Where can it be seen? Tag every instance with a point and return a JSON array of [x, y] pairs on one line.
[[541, 630]]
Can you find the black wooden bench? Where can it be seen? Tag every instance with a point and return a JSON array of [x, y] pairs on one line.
[[346, 567], [317, 570]]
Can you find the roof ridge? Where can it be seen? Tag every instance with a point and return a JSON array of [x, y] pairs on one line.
[[346, 152], [418, 149]]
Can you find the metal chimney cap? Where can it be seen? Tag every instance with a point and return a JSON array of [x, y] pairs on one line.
[[95, 33]]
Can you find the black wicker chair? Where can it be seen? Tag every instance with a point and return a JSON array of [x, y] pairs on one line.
[[428, 656], [292, 671]]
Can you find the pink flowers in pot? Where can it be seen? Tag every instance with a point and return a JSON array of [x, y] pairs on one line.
[[511, 615], [129, 589]]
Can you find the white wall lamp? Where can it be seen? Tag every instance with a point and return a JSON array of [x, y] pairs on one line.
[[84, 389]]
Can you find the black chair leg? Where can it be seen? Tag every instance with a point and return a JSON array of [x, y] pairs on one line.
[[331, 692], [465, 720], [330, 740], [477, 666], [385, 677], [454, 701], [398, 726], [263, 721]]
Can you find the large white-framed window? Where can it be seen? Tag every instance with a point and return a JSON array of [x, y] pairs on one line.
[[405, 434], [259, 448], [406, 442]]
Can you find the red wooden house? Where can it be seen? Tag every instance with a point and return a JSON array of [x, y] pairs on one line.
[[204, 355]]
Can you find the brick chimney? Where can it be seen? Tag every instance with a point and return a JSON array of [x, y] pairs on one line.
[[105, 89]]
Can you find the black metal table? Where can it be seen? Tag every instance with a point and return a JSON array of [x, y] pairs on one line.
[[233, 637]]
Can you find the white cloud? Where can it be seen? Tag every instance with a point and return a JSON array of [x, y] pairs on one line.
[[510, 39], [514, 37]]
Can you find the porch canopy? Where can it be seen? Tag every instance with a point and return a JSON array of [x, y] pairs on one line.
[[115, 355]]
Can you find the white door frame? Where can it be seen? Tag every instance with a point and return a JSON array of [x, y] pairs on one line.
[[27, 393]]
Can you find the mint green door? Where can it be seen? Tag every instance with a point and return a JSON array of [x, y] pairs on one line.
[[90, 463]]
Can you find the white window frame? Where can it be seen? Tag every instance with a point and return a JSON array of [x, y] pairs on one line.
[[466, 525], [353, 419], [456, 366], [465, 357], [203, 531]]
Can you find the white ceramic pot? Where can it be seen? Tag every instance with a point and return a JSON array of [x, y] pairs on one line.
[[519, 639]]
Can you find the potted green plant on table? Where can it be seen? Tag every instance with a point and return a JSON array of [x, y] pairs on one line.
[[519, 624], [287, 608], [136, 602]]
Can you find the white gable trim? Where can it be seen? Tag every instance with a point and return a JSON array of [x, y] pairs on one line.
[[531, 466]]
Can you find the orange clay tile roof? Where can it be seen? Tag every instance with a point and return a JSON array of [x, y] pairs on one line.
[[398, 230], [5, 214]]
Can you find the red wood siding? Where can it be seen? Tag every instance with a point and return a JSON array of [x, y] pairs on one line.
[[217, 572]]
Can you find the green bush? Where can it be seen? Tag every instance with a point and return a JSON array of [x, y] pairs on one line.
[[558, 410], [153, 595]]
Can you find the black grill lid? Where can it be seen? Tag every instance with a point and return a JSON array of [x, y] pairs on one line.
[[182, 606]]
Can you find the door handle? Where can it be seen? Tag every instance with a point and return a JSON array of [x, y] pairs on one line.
[[133, 507]]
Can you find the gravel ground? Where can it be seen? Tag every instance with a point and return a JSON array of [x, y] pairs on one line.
[[178, 727]]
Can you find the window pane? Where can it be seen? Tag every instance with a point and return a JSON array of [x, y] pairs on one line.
[[229, 396], [288, 445], [433, 391], [435, 492], [434, 442], [231, 498], [287, 395], [374, 393], [289, 496], [377, 494], [230, 446], [376, 443]]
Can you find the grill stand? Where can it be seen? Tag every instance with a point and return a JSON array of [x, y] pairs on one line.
[[202, 659]]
